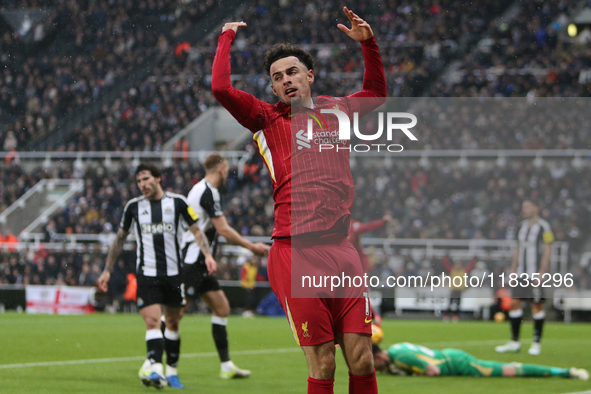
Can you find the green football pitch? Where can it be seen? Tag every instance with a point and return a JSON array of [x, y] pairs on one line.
[[102, 353]]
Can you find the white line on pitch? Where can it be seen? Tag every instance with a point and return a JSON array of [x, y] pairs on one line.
[[253, 352], [139, 358]]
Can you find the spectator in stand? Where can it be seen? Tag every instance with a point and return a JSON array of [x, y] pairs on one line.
[[457, 270], [248, 278]]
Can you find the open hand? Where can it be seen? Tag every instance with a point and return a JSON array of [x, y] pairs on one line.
[[360, 29], [211, 264], [233, 25], [260, 249], [103, 280]]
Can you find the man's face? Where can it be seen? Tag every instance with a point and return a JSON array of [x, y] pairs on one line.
[[528, 210], [291, 80], [148, 184], [381, 361]]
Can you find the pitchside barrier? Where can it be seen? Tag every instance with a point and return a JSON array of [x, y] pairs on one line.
[[423, 253]]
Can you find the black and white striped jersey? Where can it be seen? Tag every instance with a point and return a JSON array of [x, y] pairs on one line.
[[205, 200], [159, 227], [531, 240]]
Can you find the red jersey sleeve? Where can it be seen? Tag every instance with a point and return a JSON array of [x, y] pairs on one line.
[[374, 80], [369, 226], [249, 111]]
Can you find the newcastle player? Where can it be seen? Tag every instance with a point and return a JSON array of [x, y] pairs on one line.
[[157, 218]]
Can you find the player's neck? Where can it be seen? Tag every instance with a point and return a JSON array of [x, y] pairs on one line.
[[533, 220], [302, 102], [214, 179], [158, 196]]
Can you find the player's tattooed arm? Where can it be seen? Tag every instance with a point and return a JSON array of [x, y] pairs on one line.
[[116, 248], [203, 243], [200, 239], [114, 252]]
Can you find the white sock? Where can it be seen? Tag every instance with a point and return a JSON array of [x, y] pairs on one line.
[[539, 315], [222, 321], [147, 365], [158, 368], [170, 371], [227, 366], [516, 313]]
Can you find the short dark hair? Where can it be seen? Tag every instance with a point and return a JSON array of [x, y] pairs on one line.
[[213, 161], [155, 171], [535, 201], [281, 51]]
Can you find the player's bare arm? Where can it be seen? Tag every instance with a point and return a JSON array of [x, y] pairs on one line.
[[203, 243], [360, 29], [114, 252], [225, 230], [547, 253], [515, 261], [233, 26]]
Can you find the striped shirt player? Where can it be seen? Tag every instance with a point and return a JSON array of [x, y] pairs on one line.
[[530, 261], [158, 226], [532, 237], [313, 193], [158, 219], [205, 200]]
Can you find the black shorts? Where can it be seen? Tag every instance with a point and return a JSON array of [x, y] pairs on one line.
[[165, 290], [456, 294], [197, 280], [528, 293]]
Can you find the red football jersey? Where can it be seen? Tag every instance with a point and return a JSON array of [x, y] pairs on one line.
[[312, 188]]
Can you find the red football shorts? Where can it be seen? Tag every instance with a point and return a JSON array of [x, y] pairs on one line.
[[317, 320]]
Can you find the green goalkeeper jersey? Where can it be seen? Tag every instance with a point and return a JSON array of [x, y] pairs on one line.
[[454, 362], [415, 358]]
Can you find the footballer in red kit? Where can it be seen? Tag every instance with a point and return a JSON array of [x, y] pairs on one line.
[[313, 193]]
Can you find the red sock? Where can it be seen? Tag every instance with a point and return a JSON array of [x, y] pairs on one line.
[[319, 386], [364, 384]]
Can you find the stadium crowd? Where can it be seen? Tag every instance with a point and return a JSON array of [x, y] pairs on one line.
[[445, 200], [179, 89], [525, 56], [151, 112], [97, 42]]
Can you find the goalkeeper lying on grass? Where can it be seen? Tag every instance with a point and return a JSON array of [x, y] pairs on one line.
[[409, 359]]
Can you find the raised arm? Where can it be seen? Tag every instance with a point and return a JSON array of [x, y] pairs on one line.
[[446, 263], [374, 79], [244, 107], [471, 265]]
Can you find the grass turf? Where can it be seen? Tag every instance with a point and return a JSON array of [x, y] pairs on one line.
[[115, 346]]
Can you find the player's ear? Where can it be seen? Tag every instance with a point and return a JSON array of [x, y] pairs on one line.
[[310, 77]]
